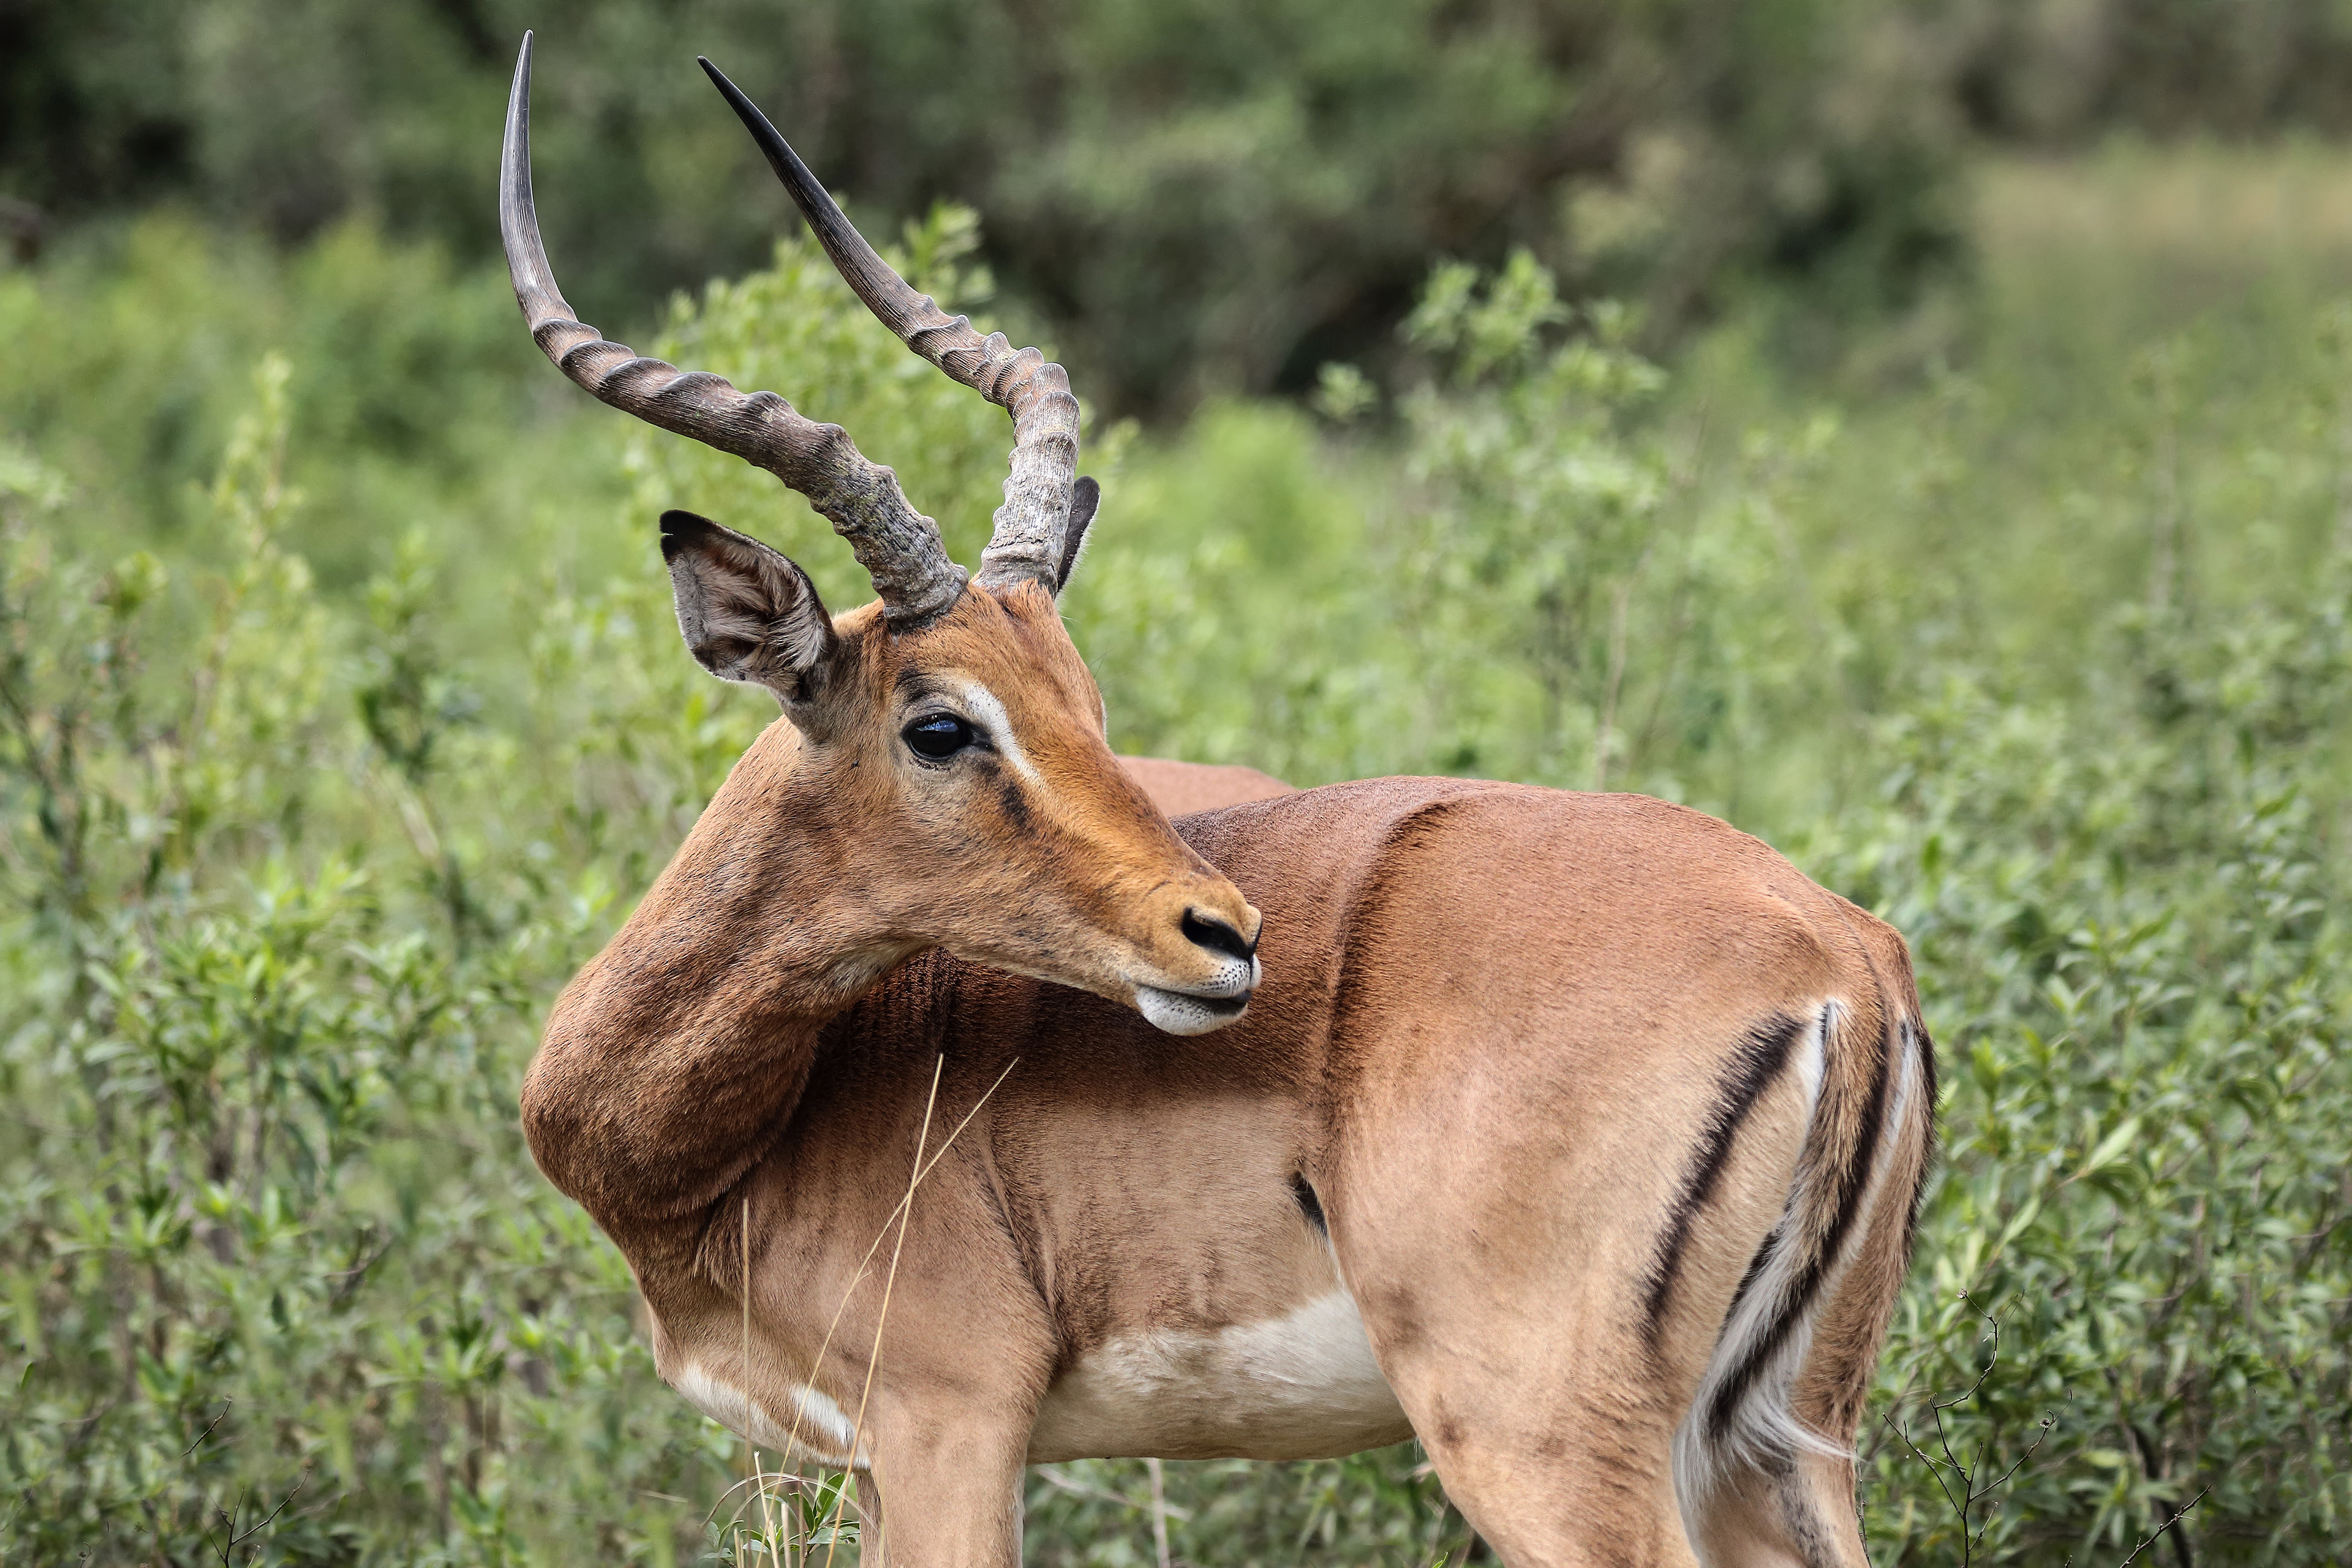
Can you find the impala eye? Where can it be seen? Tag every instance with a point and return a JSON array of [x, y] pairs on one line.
[[937, 736]]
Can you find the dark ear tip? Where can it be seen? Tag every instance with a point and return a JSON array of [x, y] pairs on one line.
[[682, 531], [1087, 488]]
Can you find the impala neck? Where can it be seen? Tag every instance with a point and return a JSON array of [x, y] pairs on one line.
[[674, 1059]]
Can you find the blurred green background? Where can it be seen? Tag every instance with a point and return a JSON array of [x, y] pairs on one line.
[[1919, 433]]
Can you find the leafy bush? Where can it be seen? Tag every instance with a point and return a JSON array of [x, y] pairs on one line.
[[292, 864], [1200, 197], [2132, 938], [284, 1286]]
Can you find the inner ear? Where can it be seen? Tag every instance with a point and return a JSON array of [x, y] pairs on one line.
[[1085, 496], [747, 613]]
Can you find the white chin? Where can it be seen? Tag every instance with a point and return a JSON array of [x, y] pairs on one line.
[[1173, 1012]]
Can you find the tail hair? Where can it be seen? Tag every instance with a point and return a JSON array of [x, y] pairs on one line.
[[1743, 1415]]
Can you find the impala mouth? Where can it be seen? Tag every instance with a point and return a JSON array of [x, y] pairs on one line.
[[1188, 1011], [1201, 1007]]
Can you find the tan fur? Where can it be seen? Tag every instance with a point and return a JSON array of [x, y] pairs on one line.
[[1491, 1021]]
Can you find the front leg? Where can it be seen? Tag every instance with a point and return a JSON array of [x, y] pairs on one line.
[[941, 1347], [944, 1492]]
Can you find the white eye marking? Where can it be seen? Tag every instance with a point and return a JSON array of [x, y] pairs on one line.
[[987, 714]]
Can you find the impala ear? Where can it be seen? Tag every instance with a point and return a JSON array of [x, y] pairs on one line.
[[1085, 496], [747, 613]]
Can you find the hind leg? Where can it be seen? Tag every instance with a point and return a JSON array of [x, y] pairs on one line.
[[1500, 1284], [1541, 1311], [1798, 1514], [1550, 1479]]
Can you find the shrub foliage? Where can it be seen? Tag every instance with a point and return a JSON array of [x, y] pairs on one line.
[[292, 870]]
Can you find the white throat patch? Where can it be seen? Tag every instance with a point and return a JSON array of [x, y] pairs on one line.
[[823, 1430]]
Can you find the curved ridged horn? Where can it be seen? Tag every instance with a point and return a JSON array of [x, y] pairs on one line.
[[1027, 542], [898, 546]]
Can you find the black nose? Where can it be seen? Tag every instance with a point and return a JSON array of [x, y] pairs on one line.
[[1209, 932]]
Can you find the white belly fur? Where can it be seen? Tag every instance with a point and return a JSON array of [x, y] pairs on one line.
[[1300, 1386]]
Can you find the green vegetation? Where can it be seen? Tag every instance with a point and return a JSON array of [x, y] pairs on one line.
[[1198, 196], [341, 715]]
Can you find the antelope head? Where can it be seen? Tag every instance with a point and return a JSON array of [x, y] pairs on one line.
[[951, 766]]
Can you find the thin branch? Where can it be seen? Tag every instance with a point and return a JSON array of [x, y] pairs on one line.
[[2049, 1425], [1933, 1468], [1621, 601], [1052, 1476], [207, 1432], [2177, 1515], [270, 1518], [234, 1538], [1159, 1511]]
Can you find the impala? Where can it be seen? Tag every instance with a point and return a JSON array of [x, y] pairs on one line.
[[1577, 1135]]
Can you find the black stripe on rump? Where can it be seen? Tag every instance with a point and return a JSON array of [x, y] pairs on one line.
[[1853, 1182], [1756, 1061], [1309, 1203]]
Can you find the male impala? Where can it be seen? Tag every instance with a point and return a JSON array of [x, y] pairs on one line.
[[1579, 1136]]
